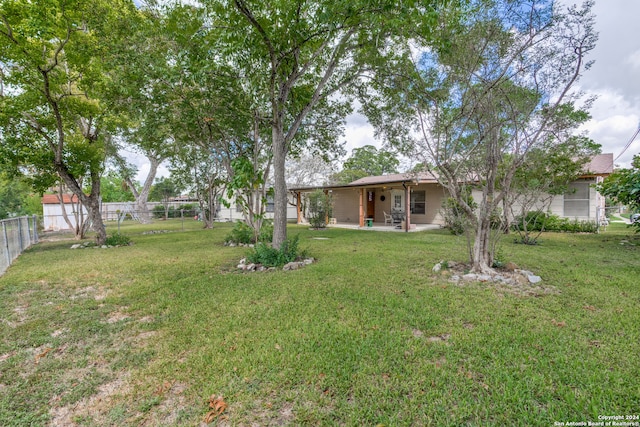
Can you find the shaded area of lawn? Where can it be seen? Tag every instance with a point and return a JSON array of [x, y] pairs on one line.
[[367, 335]]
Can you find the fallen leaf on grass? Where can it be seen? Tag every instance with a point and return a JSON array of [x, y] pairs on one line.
[[217, 405], [163, 388], [558, 324], [589, 307], [43, 354], [278, 347]]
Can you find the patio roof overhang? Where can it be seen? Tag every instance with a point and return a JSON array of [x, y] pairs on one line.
[[376, 181]]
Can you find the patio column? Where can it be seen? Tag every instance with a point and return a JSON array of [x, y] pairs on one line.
[[361, 213], [407, 209], [326, 217], [298, 207]]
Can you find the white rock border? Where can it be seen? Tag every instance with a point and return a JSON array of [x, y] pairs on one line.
[[295, 265]]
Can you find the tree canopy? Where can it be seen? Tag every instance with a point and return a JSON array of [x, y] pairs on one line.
[[367, 161], [499, 87]]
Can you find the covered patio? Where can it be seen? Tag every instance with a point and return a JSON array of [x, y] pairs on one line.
[[399, 202]]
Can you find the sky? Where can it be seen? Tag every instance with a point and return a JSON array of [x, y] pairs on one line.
[[614, 79]]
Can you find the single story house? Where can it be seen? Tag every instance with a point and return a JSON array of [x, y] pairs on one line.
[[409, 199]]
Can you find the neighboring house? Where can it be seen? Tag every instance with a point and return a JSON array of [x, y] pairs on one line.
[[418, 198], [234, 210], [52, 212]]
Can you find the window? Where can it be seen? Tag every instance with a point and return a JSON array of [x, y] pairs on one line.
[[576, 200], [270, 203], [397, 202], [418, 202]]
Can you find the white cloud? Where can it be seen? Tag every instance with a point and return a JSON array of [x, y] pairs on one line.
[[634, 59], [614, 121]]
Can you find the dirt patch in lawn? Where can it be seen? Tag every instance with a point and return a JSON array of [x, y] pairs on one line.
[[95, 407]]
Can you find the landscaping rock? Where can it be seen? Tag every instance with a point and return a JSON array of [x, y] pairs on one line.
[[77, 246], [308, 261], [436, 268], [510, 278], [291, 266], [534, 279]]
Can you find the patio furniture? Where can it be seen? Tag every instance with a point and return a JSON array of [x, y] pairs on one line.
[[369, 222], [388, 219], [394, 218]]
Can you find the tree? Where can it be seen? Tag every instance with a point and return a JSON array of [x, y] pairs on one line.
[[623, 186], [367, 161], [299, 55], [51, 66], [544, 176], [17, 198], [498, 87], [309, 170], [319, 208], [113, 188], [163, 191], [204, 174]]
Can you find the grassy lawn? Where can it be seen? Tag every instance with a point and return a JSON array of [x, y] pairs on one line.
[[367, 335]]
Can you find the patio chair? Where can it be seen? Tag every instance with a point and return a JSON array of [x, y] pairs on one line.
[[388, 219]]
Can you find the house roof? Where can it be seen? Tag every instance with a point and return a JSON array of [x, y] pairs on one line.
[[421, 177], [52, 199], [600, 164]]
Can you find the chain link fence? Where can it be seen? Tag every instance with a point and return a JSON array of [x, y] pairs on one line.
[[16, 235]]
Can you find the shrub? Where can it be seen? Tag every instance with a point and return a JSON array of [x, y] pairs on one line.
[[240, 233], [536, 220], [266, 231], [268, 256], [319, 208], [243, 233], [117, 239], [158, 212]]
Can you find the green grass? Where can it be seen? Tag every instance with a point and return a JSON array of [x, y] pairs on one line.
[[145, 334]]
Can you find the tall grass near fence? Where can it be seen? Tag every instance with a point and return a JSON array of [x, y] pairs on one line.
[[16, 235]]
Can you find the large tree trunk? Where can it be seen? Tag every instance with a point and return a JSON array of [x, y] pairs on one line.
[[91, 201], [481, 247], [280, 188], [143, 195]]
